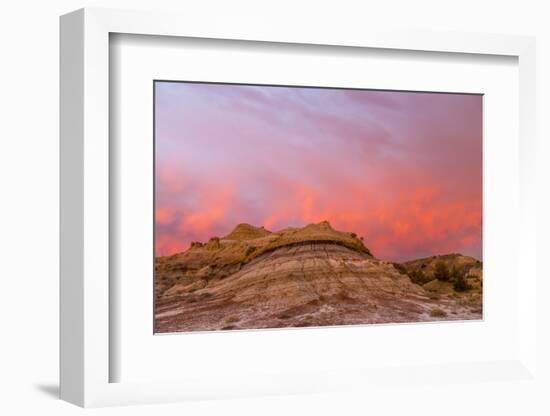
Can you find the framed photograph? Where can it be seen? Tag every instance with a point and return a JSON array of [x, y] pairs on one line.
[[248, 211], [291, 206]]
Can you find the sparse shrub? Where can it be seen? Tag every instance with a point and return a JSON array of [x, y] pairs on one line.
[[442, 272], [453, 274], [460, 284], [418, 277], [400, 268], [232, 318], [438, 313], [457, 277]]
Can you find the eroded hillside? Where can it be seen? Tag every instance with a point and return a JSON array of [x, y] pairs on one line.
[[297, 277]]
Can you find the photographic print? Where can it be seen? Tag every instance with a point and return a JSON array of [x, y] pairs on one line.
[[291, 206]]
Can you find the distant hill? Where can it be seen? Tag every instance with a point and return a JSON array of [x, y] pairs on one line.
[[423, 271], [309, 276], [427, 264]]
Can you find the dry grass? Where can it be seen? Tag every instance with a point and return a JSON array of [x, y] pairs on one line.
[[229, 327], [438, 313], [232, 319]]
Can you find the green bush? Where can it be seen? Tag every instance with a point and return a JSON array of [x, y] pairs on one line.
[[460, 284], [442, 272], [455, 274], [400, 268], [418, 277]]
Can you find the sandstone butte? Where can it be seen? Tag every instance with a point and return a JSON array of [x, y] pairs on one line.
[[303, 277]]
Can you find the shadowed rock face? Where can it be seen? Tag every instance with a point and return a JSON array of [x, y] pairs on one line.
[[297, 277]]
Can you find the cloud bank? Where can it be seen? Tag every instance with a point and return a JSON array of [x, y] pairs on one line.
[[401, 169]]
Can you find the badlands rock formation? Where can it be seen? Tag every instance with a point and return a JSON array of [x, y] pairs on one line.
[[296, 277]]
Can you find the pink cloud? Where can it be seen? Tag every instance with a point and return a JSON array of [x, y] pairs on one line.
[[401, 169]]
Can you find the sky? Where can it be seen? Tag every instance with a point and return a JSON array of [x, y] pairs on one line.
[[401, 169]]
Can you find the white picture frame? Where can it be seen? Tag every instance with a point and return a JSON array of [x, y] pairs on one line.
[[85, 267]]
